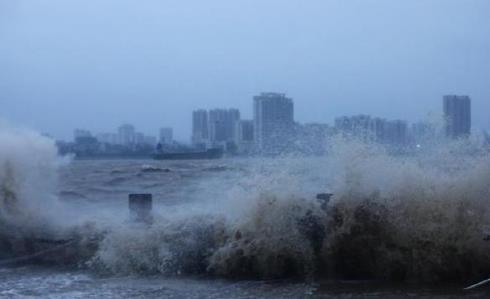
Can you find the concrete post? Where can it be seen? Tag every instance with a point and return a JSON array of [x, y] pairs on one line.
[[140, 206], [324, 199]]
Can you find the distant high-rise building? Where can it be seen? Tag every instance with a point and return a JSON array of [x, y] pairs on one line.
[[127, 134], [245, 136], [396, 132], [457, 114], [273, 122], [378, 127], [222, 125], [246, 131], [166, 135], [200, 130]]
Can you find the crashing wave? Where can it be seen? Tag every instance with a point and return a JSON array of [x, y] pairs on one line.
[[417, 218], [421, 217]]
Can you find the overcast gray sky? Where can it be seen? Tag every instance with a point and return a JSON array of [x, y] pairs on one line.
[[97, 63]]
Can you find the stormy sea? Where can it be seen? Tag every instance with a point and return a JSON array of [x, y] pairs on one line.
[[395, 225]]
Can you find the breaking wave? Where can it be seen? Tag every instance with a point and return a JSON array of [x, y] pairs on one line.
[[419, 217], [28, 176], [410, 218]]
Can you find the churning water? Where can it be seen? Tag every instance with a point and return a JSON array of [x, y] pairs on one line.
[[243, 228]]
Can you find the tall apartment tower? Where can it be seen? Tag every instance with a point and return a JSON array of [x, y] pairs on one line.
[[457, 114], [244, 136], [396, 132], [245, 131], [273, 122], [200, 130], [222, 125], [126, 134]]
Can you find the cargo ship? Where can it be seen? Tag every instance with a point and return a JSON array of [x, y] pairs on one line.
[[214, 153]]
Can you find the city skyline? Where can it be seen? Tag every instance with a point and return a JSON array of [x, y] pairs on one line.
[[432, 115], [334, 57], [274, 114]]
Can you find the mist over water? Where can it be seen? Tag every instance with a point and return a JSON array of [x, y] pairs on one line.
[[419, 217]]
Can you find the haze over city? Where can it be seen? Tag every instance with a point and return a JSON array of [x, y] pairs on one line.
[[231, 149], [97, 64]]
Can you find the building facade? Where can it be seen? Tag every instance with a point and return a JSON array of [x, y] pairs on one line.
[[127, 134], [222, 125], [396, 132], [200, 131], [245, 136], [273, 122], [457, 116]]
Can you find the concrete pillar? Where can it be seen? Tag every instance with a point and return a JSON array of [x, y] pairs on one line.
[[324, 199], [140, 206]]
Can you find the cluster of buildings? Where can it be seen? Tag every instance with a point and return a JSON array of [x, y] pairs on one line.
[[217, 128], [127, 141], [273, 131], [365, 127], [127, 136]]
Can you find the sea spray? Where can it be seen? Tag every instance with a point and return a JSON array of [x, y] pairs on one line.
[[180, 246], [411, 218], [273, 241], [34, 224], [28, 176], [421, 216], [256, 227]]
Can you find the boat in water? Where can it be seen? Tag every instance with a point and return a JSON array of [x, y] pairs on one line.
[[214, 153]]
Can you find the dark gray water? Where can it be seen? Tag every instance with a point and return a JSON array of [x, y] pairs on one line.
[[98, 191]]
